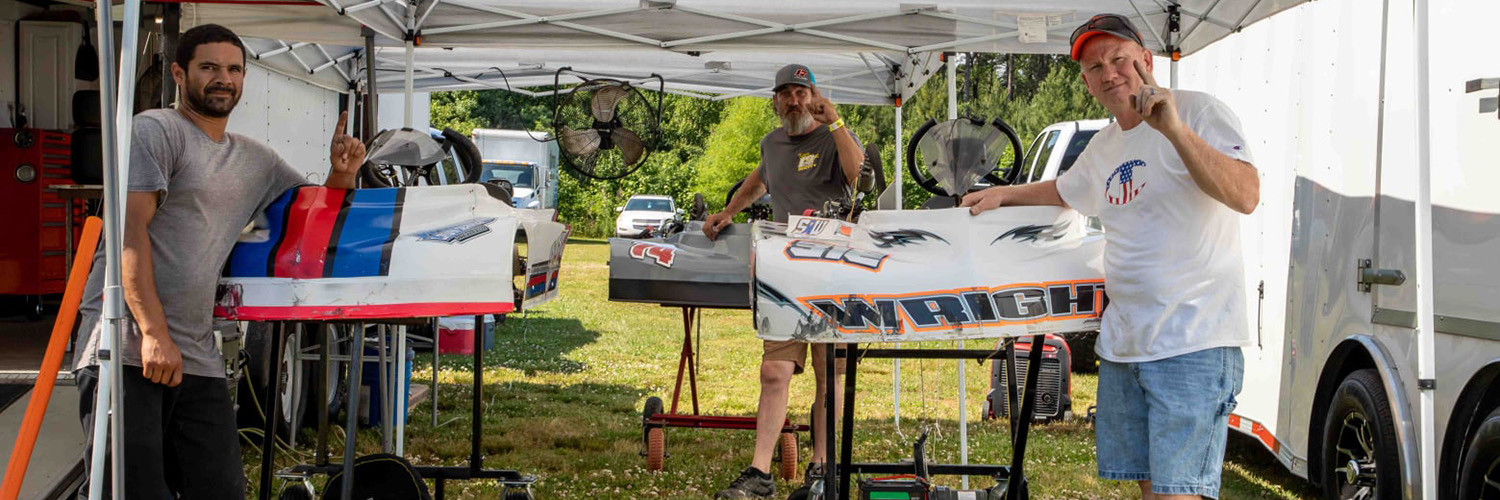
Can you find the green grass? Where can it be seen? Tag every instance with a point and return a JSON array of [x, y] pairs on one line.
[[565, 384]]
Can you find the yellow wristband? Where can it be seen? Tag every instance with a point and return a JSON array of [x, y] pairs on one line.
[[837, 124]]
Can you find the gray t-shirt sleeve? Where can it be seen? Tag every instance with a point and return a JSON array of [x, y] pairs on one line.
[[151, 157]]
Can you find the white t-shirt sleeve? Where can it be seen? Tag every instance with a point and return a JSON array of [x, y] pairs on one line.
[[1217, 125], [1080, 187]]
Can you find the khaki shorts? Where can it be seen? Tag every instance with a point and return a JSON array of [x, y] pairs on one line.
[[796, 352]]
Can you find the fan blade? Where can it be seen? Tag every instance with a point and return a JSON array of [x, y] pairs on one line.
[[579, 142], [630, 145], [603, 105]]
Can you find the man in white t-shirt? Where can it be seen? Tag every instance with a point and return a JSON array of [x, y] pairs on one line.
[[1169, 181]]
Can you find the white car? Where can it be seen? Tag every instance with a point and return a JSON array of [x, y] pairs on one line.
[[1056, 148], [644, 213]]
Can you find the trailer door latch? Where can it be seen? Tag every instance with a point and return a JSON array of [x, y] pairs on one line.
[[1369, 275]]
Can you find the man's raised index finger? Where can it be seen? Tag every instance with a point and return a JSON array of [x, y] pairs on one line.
[[1140, 67], [343, 121]]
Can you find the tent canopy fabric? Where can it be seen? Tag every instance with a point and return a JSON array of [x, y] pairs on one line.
[[867, 51], [862, 78]]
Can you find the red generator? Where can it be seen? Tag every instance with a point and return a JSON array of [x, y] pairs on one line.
[[1054, 381], [33, 238]]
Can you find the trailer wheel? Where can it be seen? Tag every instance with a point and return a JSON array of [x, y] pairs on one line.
[[1359, 442], [1481, 470], [788, 446]]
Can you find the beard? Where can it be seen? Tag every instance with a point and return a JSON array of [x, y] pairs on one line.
[[215, 105], [796, 122]]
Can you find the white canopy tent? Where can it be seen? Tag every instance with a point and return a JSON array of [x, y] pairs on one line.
[[600, 33]]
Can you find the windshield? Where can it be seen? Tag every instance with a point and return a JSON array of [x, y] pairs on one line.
[[518, 175], [1075, 147], [649, 205]]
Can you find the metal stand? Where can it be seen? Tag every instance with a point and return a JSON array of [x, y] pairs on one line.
[[839, 472], [474, 470]]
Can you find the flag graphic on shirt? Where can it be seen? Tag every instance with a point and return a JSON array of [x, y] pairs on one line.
[[1128, 188]]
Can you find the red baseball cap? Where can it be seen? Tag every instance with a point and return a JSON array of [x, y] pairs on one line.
[[1103, 24]]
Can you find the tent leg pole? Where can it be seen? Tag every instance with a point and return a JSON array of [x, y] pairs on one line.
[[1426, 369], [103, 386], [963, 416], [371, 111], [410, 53]]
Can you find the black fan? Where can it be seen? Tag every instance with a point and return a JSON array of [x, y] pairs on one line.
[[605, 128]]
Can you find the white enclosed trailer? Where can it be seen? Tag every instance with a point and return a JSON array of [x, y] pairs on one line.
[[1328, 95]]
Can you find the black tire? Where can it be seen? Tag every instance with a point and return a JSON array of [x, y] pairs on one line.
[[467, 154], [1480, 476], [336, 378], [1081, 347], [515, 493], [295, 492], [1360, 459], [376, 176], [700, 208], [654, 407], [251, 396], [297, 386]]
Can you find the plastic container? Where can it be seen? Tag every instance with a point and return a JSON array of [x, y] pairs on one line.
[[456, 335], [370, 380]]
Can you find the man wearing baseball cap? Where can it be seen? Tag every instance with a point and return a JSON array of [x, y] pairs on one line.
[[811, 158], [1169, 180]]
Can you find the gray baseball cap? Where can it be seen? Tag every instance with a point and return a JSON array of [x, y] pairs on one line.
[[794, 74]]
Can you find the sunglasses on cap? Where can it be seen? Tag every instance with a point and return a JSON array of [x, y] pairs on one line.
[[1113, 24]]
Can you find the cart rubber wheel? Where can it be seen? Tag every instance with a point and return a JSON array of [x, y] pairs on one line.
[[653, 408], [788, 445], [1481, 469], [656, 448], [515, 493], [295, 492]]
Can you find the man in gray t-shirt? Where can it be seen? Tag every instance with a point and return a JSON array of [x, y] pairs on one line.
[[192, 188], [810, 159]]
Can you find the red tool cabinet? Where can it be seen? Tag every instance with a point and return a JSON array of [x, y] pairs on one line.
[[32, 218]]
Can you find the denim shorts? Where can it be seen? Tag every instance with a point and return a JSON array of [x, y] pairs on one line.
[[1166, 421]]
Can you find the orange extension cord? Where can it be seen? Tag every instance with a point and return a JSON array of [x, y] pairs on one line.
[[31, 425]]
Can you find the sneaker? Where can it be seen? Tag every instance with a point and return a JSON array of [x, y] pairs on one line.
[[814, 474], [752, 483]]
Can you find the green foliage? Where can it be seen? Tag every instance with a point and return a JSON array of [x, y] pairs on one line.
[[707, 146], [733, 148]]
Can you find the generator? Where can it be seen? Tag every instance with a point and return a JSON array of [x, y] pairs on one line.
[[1055, 382]]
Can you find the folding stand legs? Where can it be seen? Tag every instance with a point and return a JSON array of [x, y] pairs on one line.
[[1017, 489], [273, 410], [844, 467], [351, 410]]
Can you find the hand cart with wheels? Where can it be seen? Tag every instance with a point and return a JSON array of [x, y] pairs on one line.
[[683, 268], [655, 418]]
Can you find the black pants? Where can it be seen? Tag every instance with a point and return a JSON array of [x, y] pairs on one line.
[[180, 442]]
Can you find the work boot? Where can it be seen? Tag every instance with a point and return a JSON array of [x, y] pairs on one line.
[[752, 483], [814, 474]]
